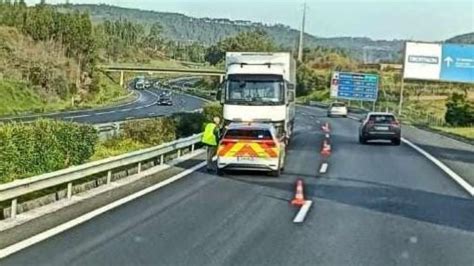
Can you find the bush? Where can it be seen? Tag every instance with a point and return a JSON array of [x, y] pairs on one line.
[[116, 146], [43, 146], [459, 111], [211, 110], [188, 124], [151, 131]]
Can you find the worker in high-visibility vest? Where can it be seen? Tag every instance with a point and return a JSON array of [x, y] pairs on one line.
[[210, 138]]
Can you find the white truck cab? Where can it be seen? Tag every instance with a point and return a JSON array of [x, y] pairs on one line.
[[260, 87]]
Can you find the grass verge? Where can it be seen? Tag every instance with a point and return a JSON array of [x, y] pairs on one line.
[[465, 132]]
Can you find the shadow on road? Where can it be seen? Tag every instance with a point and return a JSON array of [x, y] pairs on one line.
[[450, 154], [445, 210], [415, 204]]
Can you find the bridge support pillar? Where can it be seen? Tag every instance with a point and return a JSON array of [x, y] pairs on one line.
[[121, 79], [221, 78]]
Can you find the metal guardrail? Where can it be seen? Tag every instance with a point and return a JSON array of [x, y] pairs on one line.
[[13, 190], [108, 130]]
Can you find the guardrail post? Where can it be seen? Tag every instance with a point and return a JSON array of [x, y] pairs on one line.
[[13, 208], [162, 159], [192, 148], [139, 167], [179, 153], [69, 190], [109, 177]]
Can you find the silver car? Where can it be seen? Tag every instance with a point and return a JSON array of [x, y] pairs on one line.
[[337, 109]]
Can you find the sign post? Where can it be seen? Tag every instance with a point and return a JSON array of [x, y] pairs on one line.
[[354, 86]]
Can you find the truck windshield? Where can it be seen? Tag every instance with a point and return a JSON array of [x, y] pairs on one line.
[[255, 92]]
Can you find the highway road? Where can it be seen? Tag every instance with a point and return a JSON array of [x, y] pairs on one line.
[[377, 204], [144, 106]]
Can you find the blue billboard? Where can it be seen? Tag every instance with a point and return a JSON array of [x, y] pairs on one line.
[[354, 86], [457, 63]]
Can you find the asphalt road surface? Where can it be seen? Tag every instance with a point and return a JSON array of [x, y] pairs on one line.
[[144, 106], [378, 204]]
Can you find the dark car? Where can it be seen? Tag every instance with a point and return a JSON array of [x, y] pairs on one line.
[[165, 100], [380, 126]]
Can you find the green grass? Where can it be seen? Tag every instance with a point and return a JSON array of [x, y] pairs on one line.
[[466, 132], [19, 97], [114, 147]]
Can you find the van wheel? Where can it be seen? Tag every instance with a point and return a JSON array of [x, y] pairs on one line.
[[396, 142], [362, 140]]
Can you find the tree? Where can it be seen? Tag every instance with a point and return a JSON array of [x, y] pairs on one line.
[[459, 111], [250, 41]]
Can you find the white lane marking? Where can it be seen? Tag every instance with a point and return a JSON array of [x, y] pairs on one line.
[[443, 167], [130, 117], [77, 111], [324, 168], [88, 216], [138, 108], [151, 113], [318, 122], [103, 113], [301, 215], [76, 116], [125, 110], [327, 135]]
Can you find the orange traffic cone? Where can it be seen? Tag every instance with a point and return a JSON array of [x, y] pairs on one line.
[[299, 197], [326, 150]]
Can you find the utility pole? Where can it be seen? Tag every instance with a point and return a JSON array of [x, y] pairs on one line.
[[300, 47]]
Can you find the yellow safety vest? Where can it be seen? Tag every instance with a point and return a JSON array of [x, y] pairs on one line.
[[209, 137]]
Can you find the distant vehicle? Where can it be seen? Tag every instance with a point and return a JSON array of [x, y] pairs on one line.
[[383, 126], [147, 84], [251, 146], [337, 109], [164, 99], [140, 85]]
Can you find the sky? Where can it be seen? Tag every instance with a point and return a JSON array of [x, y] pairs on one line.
[[422, 20]]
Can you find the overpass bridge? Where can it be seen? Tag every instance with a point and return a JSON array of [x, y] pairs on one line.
[[135, 69]]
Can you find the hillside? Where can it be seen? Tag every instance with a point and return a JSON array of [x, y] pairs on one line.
[[35, 76], [179, 27], [467, 38]]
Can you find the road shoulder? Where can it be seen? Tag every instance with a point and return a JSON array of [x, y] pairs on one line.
[[51, 220]]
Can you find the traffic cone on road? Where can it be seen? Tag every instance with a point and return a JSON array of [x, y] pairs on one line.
[[299, 197], [326, 149]]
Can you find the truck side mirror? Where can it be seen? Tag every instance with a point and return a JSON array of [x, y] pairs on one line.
[[221, 92]]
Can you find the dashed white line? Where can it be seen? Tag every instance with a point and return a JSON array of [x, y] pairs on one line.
[[76, 116], [324, 168], [125, 110], [327, 135], [301, 215], [103, 113]]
